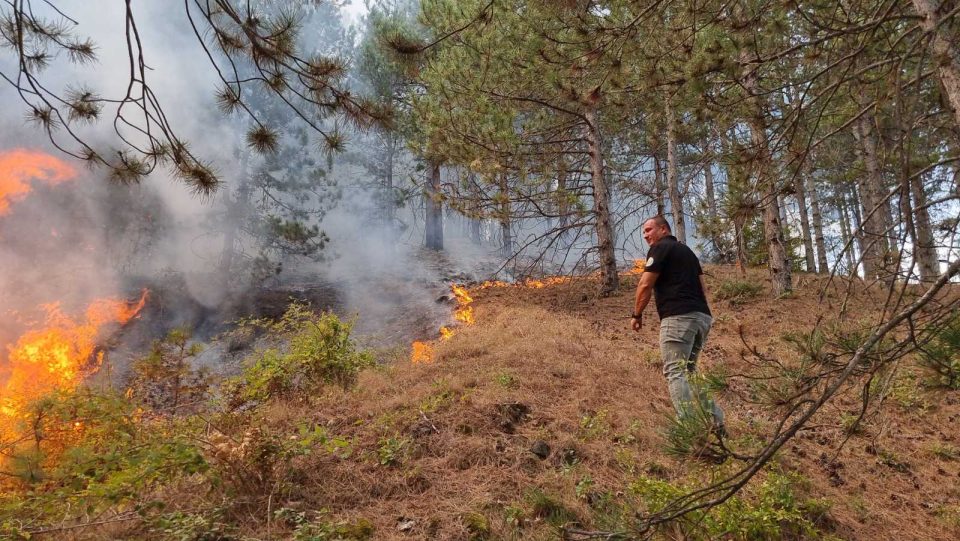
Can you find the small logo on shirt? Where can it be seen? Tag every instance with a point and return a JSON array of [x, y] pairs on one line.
[[649, 262]]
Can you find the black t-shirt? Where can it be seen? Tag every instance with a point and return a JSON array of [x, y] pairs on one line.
[[677, 289]]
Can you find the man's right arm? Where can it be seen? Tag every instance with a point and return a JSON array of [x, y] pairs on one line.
[[644, 291]]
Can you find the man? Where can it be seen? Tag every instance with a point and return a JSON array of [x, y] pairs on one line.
[[673, 274]]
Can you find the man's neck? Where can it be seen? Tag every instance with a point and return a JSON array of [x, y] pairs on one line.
[[664, 237]]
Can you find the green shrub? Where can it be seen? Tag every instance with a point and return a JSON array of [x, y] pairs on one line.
[[314, 350], [941, 356], [321, 529], [165, 379], [776, 509], [88, 452], [737, 291]]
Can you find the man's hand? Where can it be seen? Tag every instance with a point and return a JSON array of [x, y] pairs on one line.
[[636, 323]]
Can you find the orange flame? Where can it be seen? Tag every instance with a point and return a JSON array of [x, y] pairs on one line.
[[59, 355], [19, 166], [464, 312], [421, 353]]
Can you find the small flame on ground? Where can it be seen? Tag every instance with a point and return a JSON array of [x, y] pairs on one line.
[[59, 355], [19, 166], [421, 353]]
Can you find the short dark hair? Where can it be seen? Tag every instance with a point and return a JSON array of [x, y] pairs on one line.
[[660, 220]]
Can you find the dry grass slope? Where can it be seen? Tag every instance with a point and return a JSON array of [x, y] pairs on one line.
[[443, 450]]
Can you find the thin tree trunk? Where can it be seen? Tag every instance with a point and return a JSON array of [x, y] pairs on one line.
[[801, 191], [817, 217], [390, 204], [504, 217], [434, 209], [234, 210], [738, 234], [713, 227], [925, 249], [852, 198], [871, 222], [778, 262], [658, 186], [845, 233], [676, 202], [563, 202], [711, 190], [609, 279]]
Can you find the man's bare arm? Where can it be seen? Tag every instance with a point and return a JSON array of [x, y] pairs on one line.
[[644, 291], [703, 285]]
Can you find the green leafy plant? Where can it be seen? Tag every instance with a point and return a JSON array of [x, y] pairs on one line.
[[315, 350], [776, 509], [391, 451]]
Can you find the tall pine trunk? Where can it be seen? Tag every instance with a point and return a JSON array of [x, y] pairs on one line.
[[676, 202], [817, 218], [609, 279], [777, 259], [925, 249], [434, 209], [801, 191], [874, 225]]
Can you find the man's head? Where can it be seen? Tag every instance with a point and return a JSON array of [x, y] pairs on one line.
[[655, 229]]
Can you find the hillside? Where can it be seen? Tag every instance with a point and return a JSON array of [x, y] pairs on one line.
[[547, 411], [594, 393]]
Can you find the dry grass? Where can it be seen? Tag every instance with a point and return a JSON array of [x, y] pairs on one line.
[[436, 442]]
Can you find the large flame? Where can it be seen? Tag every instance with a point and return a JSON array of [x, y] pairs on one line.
[[58, 355], [19, 166]]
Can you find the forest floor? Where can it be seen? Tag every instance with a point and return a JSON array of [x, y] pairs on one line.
[[443, 449]]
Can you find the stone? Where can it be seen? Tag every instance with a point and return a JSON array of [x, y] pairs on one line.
[[541, 449]]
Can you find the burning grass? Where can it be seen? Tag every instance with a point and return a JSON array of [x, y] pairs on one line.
[[57, 355]]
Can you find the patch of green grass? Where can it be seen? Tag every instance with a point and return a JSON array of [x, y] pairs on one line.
[[594, 425], [506, 380], [549, 508], [477, 526], [737, 291], [945, 451]]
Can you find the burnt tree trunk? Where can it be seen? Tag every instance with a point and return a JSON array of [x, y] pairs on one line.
[[609, 279], [434, 209]]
